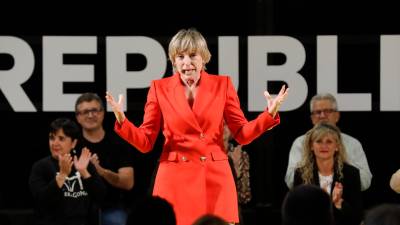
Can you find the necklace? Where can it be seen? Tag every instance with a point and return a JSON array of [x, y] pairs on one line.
[[326, 182]]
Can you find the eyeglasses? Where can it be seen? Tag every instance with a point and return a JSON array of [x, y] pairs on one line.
[[325, 111], [86, 112]]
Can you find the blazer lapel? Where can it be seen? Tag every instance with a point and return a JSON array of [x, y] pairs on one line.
[[203, 95], [182, 104]]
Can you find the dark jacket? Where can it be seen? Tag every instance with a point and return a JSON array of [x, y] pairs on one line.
[[351, 212]]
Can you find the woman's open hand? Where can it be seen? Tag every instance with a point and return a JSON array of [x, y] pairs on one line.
[[275, 103], [117, 107]]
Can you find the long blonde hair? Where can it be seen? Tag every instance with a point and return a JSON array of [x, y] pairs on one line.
[[308, 162]]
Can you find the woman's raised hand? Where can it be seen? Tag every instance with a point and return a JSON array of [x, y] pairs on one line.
[[117, 107], [275, 103]]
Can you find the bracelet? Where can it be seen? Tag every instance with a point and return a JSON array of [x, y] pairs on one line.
[[59, 175]]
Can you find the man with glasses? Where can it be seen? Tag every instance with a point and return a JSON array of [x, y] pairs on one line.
[[111, 157], [324, 108]]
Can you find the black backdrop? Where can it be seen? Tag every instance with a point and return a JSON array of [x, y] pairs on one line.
[[358, 26]]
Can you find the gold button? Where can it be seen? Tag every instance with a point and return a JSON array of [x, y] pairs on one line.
[[184, 158], [202, 135], [203, 158]]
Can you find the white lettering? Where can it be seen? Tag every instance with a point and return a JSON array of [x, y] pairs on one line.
[[327, 77], [55, 72], [118, 78], [390, 70], [75, 194], [259, 71], [11, 80], [228, 58]]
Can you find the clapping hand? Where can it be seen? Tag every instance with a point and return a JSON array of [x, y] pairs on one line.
[[65, 164], [96, 162], [337, 195], [81, 164]]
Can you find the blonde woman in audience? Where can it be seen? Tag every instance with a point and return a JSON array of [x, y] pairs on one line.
[[324, 164]]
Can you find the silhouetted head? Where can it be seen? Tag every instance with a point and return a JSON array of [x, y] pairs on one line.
[[210, 219], [307, 205], [384, 214], [152, 210]]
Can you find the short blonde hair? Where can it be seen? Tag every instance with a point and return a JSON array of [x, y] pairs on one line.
[[188, 40]]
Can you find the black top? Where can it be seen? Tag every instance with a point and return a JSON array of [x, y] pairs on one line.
[[113, 153], [351, 212], [69, 205]]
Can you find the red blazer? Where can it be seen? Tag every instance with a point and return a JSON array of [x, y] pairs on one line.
[[194, 173]]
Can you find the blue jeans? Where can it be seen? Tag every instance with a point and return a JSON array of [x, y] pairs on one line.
[[114, 216]]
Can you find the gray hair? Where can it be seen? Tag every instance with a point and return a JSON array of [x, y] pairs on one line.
[[324, 96]]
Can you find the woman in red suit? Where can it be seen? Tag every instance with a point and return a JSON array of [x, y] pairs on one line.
[[190, 108]]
